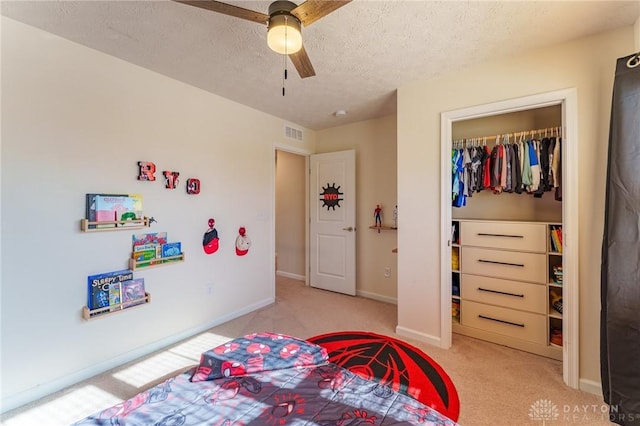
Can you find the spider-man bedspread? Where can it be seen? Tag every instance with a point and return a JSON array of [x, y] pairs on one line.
[[268, 379]]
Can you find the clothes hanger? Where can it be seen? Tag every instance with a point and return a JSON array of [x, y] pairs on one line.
[[634, 61]]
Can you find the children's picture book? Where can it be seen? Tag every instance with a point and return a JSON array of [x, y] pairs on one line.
[[133, 292], [98, 287], [114, 294], [142, 255], [112, 207], [149, 238], [90, 209], [171, 249]]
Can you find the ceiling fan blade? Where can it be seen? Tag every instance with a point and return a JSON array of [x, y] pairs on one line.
[[312, 10], [227, 9], [301, 61]]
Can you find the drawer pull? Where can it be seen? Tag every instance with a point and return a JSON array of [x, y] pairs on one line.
[[520, 265], [482, 234], [502, 321], [500, 292]]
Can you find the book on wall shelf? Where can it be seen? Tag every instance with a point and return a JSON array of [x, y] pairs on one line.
[[133, 292], [115, 293], [99, 293], [124, 208], [153, 249]]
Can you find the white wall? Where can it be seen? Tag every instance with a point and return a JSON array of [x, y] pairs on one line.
[[587, 64], [78, 121]]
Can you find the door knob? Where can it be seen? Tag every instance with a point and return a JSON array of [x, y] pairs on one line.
[[348, 229]]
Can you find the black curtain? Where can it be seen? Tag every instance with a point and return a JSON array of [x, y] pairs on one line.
[[620, 273]]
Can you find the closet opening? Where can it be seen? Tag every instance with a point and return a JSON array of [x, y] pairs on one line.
[[509, 242]]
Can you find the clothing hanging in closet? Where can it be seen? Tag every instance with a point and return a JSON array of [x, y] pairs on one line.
[[531, 166]]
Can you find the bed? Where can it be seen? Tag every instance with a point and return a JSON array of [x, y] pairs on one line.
[[268, 379]]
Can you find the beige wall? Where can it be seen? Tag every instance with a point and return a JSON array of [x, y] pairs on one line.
[[375, 144], [587, 64], [291, 199]]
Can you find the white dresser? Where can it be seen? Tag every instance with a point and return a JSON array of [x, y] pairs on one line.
[[504, 276]]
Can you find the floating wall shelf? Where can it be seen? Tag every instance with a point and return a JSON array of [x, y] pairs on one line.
[[153, 263], [89, 314], [115, 225]]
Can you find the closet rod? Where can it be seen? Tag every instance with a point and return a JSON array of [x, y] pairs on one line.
[[549, 131]]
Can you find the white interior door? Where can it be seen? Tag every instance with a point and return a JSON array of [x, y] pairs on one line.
[[332, 231]]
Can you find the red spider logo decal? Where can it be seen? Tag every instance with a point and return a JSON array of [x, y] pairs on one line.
[[289, 350], [232, 368], [226, 348], [258, 348]]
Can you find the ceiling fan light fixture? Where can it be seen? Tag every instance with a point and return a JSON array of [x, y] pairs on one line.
[[284, 33]]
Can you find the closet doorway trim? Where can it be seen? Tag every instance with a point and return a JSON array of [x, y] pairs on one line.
[[567, 98]]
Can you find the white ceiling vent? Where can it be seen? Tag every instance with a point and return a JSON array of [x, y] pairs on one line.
[[293, 133]]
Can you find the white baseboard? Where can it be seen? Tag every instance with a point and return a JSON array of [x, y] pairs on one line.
[[376, 296], [591, 386], [42, 390], [290, 275], [417, 335]]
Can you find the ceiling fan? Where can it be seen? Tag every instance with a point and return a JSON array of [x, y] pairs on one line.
[[283, 23]]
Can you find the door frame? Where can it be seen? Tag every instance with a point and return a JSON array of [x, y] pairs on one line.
[[567, 98], [305, 153]]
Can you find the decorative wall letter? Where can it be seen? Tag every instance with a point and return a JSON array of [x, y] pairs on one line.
[[193, 186], [147, 169], [171, 179]]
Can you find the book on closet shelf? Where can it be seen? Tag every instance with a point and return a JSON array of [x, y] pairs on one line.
[[556, 239]]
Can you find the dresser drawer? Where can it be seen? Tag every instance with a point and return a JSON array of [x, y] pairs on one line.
[[509, 294], [508, 322], [505, 235], [504, 264]]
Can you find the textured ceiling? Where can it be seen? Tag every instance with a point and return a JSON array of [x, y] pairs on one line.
[[361, 53]]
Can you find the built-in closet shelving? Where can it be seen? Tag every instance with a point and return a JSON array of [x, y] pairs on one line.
[[506, 249]]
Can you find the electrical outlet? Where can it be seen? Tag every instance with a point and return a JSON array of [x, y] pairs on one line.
[[387, 272]]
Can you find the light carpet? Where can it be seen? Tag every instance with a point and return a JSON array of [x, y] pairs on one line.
[[496, 385]]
